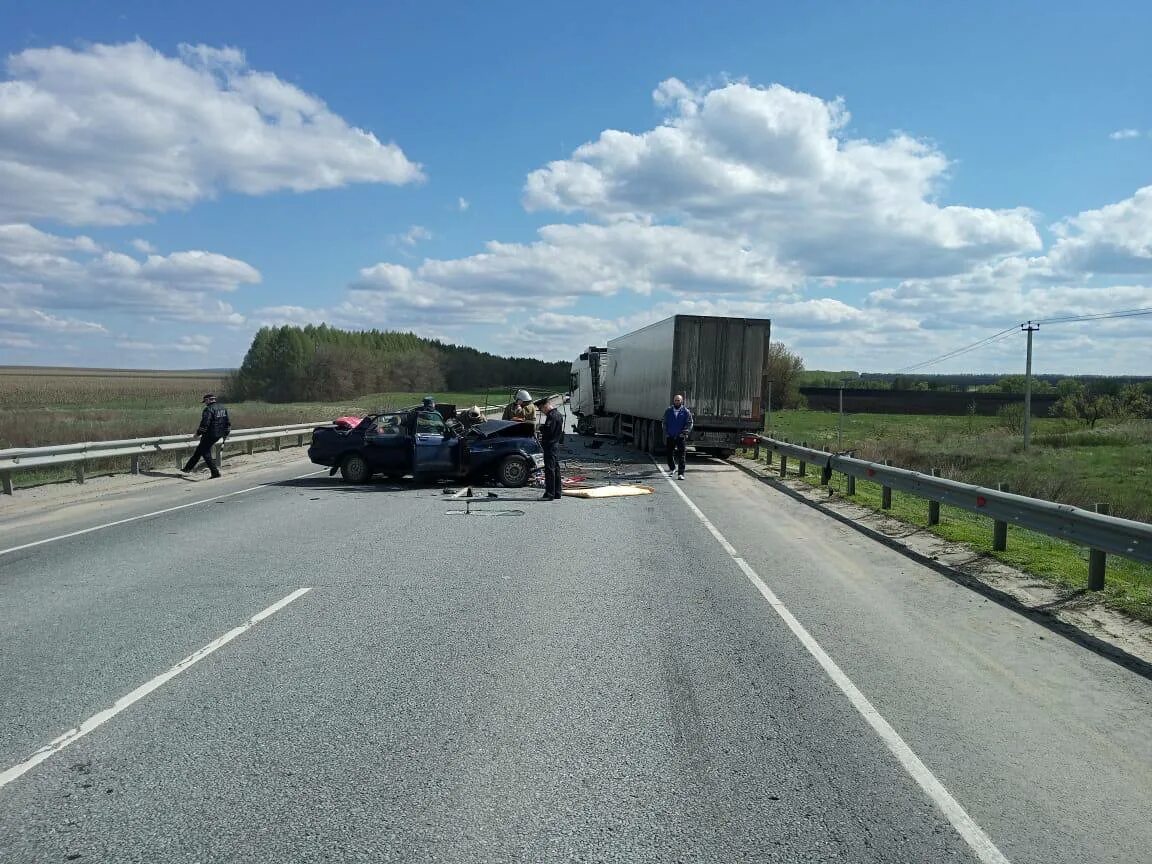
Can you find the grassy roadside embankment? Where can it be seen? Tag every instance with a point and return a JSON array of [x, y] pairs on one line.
[[1066, 463]]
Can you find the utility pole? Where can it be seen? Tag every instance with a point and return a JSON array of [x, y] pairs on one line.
[[1029, 328]]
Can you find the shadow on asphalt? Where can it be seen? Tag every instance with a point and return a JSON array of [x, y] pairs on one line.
[[174, 475], [335, 484]]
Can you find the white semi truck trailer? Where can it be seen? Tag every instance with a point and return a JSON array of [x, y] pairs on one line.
[[719, 365]]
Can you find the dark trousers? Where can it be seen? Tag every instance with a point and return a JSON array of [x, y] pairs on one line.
[[204, 451], [675, 453], [552, 472]]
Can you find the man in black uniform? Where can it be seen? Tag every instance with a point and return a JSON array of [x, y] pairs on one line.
[[214, 425], [551, 437]]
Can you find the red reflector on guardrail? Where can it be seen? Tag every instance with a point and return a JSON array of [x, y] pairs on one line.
[[981, 501], [871, 472]]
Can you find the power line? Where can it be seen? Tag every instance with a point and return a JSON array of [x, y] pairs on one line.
[[996, 337], [1099, 316]]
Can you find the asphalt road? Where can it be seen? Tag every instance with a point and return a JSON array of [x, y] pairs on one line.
[[539, 681]]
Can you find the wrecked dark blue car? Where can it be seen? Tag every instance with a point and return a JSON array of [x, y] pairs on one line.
[[429, 447]]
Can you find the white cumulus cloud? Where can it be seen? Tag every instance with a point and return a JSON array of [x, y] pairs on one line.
[[1115, 239], [775, 164], [105, 134], [415, 234], [41, 271]]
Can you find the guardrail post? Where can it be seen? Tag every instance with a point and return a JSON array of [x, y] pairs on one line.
[[248, 447], [1000, 529], [783, 465], [6, 481], [934, 506], [299, 440], [803, 464], [886, 493], [851, 483], [276, 444], [136, 464], [1097, 560], [79, 470], [756, 450]]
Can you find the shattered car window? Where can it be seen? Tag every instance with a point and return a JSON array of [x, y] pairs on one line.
[[429, 424], [388, 424]]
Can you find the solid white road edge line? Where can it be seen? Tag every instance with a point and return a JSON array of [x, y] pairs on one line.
[[153, 513], [980, 843], [102, 717]]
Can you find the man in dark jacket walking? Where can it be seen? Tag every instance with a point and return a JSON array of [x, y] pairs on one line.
[[677, 425], [551, 437], [214, 426]]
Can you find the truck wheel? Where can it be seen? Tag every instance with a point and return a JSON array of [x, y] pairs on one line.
[[354, 469], [725, 454], [513, 472]]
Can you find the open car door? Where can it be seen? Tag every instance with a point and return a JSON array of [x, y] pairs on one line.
[[386, 445], [435, 450]]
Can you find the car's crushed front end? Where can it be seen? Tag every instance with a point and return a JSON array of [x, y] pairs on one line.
[[491, 443]]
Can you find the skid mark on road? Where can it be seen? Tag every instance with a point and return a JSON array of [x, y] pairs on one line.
[[976, 838], [100, 718]]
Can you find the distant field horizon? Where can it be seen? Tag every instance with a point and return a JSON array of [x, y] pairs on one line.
[[102, 370]]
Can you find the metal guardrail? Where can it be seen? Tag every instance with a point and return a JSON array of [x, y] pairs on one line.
[[23, 458], [1101, 533]]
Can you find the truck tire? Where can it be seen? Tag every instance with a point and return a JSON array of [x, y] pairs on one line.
[[355, 469], [514, 472], [725, 454]]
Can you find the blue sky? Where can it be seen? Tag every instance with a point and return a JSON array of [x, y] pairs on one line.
[[887, 181]]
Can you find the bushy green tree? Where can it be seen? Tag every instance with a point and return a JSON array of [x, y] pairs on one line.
[[784, 368], [1080, 403]]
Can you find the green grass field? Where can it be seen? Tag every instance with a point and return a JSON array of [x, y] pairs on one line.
[[1065, 463]]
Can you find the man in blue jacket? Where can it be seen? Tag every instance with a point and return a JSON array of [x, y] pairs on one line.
[[677, 425]]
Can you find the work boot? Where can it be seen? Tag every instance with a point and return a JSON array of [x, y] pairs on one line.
[[216, 474]]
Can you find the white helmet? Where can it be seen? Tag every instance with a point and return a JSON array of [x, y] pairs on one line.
[[523, 396]]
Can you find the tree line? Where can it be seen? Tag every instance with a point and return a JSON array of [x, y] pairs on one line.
[[319, 363]]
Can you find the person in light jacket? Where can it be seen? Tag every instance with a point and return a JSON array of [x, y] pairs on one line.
[[677, 425]]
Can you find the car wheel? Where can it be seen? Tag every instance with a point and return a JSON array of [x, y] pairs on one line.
[[354, 469], [514, 471]]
